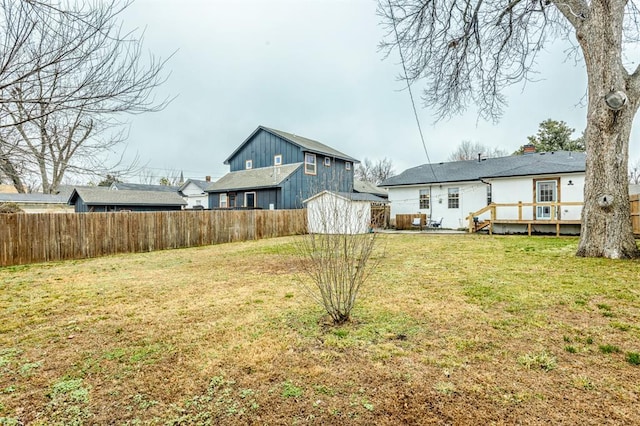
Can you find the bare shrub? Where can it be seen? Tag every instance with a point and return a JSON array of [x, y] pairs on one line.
[[339, 253]]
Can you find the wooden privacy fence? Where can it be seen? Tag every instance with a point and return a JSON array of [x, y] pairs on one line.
[[635, 213], [31, 238]]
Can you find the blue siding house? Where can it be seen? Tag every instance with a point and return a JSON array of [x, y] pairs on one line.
[[273, 169]]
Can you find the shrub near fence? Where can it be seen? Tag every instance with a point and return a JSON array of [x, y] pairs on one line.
[[31, 238]]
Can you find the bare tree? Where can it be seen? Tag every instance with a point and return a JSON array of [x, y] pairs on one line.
[[468, 150], [467, 51], [634, 173], [376, 172], [67, 71]]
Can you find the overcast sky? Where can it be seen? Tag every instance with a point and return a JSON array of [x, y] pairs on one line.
[[312, 67]]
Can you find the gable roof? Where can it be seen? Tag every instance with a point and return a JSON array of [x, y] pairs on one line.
[[543, 163], [142, 187], [104, 196], [263, 177], [202, 184], [305, 144]]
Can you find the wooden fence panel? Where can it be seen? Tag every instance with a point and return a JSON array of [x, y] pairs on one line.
[[635, 213], [43, 237]]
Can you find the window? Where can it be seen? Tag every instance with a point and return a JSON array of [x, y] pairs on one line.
[[223, 201], [488, 194], [347, 165], [232, 199], [310, 164], [424, 198], [327, 162], [454, 198], [250, 199], [248, 164], [277, 160]]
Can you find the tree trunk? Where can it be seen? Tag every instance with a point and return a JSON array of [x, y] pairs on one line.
[[606, 221]]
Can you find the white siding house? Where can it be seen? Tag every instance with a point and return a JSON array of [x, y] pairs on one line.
[[454, 190], [193, 192], [340, 213]]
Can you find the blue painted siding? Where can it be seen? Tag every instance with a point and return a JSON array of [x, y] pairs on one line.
[[262, 148]]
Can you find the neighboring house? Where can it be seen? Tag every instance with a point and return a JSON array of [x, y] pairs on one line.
[[273, 169], [38, 203], [365, 187], [120, 186], [454, 190], [105, 200], [341, 212], [194, 193]]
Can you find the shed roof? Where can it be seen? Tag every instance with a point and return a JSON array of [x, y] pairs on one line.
[[263, 177], [305, 143], [542, 163], [104, 196], [351, 196]]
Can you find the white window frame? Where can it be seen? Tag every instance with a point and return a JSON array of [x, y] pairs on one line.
[[327, 161], [248, 164], [453, 198], [277, 160], [424, 199], [223, 201], [310, 167], [255, 199], [347, 165]]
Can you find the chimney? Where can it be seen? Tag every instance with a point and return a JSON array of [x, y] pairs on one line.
[[529, 149], [207, 178]]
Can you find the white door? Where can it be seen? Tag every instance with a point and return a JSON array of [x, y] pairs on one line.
[[546, 192]]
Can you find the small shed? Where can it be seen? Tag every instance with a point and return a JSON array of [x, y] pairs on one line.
[[340, 212], [104, 200]]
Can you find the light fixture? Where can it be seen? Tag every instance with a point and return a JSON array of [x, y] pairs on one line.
[[616, 100], [570, 182]]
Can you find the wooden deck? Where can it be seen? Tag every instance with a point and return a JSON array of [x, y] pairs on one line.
[[558, 222]]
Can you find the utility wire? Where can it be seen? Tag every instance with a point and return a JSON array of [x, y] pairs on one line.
[[406, 78]]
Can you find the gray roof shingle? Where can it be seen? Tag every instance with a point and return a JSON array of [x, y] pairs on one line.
[[264, 177], [305, 143], [33, 198], [142, 187], [104, 196], [542, 163]]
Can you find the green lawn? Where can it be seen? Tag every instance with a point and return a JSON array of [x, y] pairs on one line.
[[451, 329]]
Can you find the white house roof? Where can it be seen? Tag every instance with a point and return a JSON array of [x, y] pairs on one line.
[[305, 143], [202, 184], [104, 196], [542, 163], [263, 177]]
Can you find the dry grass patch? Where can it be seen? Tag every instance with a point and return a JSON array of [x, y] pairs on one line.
[[451, 329]]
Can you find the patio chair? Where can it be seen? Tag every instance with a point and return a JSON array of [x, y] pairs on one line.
[[435, 223], [416, 222]]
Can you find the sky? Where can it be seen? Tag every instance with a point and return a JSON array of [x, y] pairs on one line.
[[313, 68]]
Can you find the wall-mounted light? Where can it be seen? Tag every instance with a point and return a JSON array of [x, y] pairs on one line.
[[570, 182]]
